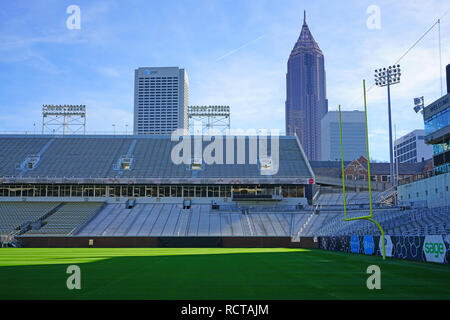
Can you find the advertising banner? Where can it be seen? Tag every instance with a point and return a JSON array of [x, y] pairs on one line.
[[354, 244], [432, 248], [387, 245], [369, 245]]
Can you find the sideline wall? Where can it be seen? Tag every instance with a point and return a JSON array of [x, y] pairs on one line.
[[164, 242], [434, 191], [432, 248]]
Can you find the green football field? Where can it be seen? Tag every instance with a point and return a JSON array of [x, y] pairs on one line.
[[214, 274]]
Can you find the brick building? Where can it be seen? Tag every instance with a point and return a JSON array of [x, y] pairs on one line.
[[407, 172]]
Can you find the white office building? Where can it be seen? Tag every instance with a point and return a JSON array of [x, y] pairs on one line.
[[411, 148], [353, 136], [160, 100]]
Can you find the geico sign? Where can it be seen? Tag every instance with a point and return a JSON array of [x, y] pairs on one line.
[[434, 249]]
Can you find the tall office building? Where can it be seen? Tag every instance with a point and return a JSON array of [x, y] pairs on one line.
[[306, 101], [434, 191], [160, 100], [411, 148], [353, 136]]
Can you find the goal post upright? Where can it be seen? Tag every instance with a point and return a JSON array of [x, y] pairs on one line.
[[370, 216]]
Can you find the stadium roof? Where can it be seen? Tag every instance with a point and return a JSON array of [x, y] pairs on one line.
[[97, 159]]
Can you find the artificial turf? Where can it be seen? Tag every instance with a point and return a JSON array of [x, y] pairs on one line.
[[212, 274]]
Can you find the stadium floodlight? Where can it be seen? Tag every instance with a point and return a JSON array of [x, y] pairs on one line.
[[209, 118], [419, 104], [64, 119], [385, 77]]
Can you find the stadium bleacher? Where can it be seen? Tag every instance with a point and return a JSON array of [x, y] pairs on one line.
[[200, 220], [97, 156], [394, 221], [15, 150], [351, 198], [15, 214], [84, 163], [100, 219], [67, 218], [72, 157]]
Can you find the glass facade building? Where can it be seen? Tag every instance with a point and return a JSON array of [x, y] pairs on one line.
[[437, 130], [160, 100], [353, 136], [306, 98], [437, 122]]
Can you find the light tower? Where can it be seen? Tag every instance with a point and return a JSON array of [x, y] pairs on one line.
[[385, 77], [64, 119], [211, 117]]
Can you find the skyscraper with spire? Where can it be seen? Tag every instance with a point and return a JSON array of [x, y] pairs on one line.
[[306, 96]]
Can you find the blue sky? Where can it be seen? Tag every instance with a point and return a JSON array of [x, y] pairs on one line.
[[235, 53]]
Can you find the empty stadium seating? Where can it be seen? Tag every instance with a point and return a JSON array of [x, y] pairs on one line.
[[14, 214], [67, 218], [99, 219], [351, 198], [14, 150], [200, 220], [95, 160], [394, 221], [80, 157], [98, 156]]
